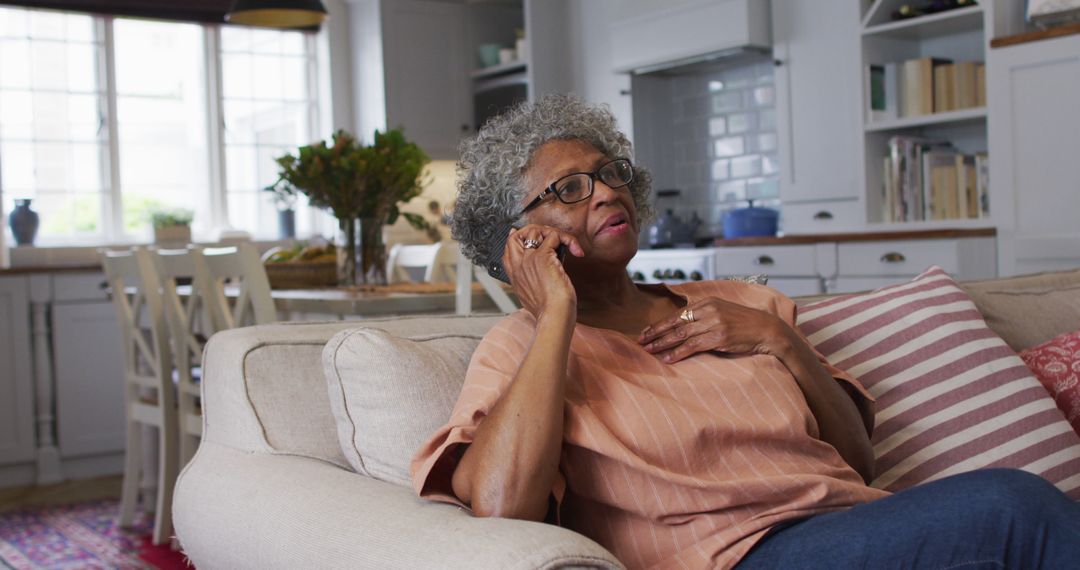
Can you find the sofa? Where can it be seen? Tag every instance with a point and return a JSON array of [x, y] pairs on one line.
[[293, 473]]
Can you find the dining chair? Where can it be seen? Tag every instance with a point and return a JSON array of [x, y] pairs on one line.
[[237, 266], [149, 396], [189, 321], [432, 263]]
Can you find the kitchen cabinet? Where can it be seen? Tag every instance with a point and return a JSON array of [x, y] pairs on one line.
[[816, 46], [1034, 130], [411, 71], [17, 443], [872, 264], [88, 356]]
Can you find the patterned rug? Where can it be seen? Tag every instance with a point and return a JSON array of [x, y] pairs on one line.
[[82, 536]]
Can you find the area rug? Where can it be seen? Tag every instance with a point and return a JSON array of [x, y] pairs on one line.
[[83, 535]]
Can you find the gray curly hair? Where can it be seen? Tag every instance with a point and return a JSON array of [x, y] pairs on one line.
[[490, 172]]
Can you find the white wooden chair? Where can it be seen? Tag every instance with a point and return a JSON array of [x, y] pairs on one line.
[[189, 327], [148, 389], [420, 258], [234, 266]]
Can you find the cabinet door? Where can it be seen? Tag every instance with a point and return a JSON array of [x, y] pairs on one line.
[[426, 76], [16, 382], [816, 45], [88, 353], [1034, 127]]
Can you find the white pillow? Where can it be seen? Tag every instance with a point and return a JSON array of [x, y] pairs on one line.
[[389, 393]]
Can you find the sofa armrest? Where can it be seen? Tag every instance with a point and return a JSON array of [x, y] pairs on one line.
[[254, 510]]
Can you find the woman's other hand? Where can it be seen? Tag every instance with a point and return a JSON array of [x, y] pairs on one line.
[[536, 273], [713, 324]]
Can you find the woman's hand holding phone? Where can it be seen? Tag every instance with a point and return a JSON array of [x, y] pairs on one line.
[[531, 260]]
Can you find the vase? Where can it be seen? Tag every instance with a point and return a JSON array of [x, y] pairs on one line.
[[286, 220], [346, 259], [24, 222], [372, 251]]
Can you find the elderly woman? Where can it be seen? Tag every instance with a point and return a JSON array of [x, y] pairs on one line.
[[680, 426]]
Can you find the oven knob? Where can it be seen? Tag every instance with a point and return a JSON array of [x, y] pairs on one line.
[[637, 276], [657, 275], [667, 274], [678, 274], [696, 276]]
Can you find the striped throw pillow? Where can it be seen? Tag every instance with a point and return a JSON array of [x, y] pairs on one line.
[[951, 395]]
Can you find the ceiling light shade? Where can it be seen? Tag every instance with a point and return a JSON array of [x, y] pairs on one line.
[[277, 13]]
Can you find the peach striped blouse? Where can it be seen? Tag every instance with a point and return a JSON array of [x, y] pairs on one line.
[[684, 465]]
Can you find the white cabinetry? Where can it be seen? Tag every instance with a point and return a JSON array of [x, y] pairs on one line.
[[1034, 140], [872, 264], [411, 71], [649, 33], [88, 357], [816, 48], [16, 379]]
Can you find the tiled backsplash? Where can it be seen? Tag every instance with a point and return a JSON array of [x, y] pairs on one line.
[[726, 145]]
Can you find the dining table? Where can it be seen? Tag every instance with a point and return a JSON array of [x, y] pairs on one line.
[[374, 300]]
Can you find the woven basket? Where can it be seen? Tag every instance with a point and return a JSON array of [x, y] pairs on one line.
[[301, 274]]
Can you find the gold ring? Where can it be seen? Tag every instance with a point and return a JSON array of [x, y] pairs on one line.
[[530, 244], [687, 315]]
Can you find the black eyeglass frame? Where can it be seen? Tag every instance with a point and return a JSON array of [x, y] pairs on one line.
[[592, 185]]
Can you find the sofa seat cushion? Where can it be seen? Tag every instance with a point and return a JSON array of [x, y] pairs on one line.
[[1056, 363], [388, 394], [951, 395], [1029, 309]]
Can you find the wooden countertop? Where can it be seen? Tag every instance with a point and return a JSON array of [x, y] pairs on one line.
[[1055, 32], [861, 236], [88, 268]]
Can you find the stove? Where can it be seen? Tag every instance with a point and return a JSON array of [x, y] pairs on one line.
[[673, 265]]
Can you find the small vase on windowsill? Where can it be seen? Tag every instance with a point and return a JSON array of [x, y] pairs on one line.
[[24, 222]]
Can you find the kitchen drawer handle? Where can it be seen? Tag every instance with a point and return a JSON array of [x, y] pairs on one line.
[[823, 215], [764, 260], [893, 257]]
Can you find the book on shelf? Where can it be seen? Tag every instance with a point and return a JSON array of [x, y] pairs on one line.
[[918, 85], [980, 84], [945, 88], [965, 84], [929, 179], [883, 91], [982, 183]]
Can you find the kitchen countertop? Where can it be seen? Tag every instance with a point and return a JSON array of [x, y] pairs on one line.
[[1036, 35], [856, 236], [86, 268]]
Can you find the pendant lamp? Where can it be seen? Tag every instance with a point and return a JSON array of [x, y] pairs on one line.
[[277, 13]]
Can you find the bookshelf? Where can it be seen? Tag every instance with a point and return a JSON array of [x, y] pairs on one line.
[[958, 35]]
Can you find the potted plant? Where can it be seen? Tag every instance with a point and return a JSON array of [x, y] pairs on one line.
[[363, 186], [172, 226]]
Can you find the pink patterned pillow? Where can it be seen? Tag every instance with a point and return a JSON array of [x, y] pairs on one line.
[[951, 395], [1056, 363]]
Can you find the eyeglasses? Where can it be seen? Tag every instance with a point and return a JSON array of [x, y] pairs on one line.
[[579, 185]]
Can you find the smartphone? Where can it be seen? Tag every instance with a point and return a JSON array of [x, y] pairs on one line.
[[494, 262]]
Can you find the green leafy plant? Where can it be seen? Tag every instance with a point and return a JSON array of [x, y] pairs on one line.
[[358, 182], [354, 180], [171, 217]]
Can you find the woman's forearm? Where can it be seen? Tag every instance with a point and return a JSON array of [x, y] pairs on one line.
[[511, 465], [839, 420]]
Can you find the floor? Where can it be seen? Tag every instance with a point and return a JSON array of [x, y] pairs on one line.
[[64, 493]]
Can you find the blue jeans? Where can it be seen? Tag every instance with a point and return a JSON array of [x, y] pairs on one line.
[[994, 518]]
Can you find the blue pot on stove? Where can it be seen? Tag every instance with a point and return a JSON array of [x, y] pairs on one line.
[[750, 222]]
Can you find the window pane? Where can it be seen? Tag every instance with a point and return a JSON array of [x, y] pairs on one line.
[[266, 105], [161, 116], [48, 25], [16, 114], [15, 59], [82, 67], [49, 66], [13, 23]]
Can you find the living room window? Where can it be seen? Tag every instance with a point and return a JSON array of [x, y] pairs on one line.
[[104, 119]]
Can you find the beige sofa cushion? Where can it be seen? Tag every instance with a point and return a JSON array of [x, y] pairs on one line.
[[389, 393], [1031, 309]]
